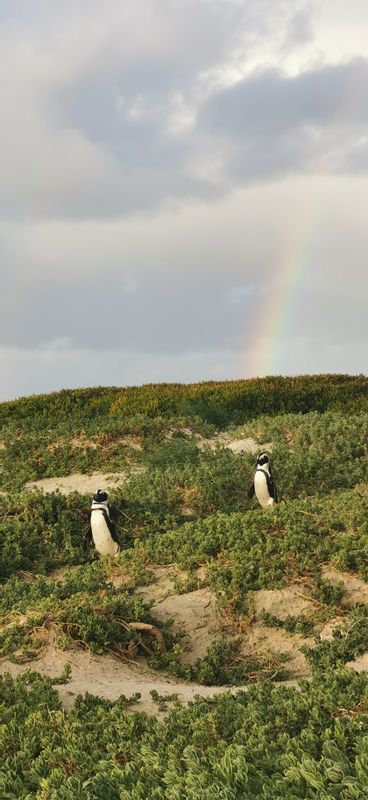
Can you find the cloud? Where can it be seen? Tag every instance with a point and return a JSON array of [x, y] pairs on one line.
[[101, 103], [271, 124], [59, 365], [207, 277], [114, 142], [166, 168]]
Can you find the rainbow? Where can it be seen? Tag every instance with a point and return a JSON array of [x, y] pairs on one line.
[[278, 305], [266, 352]]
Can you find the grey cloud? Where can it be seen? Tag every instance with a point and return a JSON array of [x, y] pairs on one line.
[[97, 127], [265, 126], [300, 29], [207, 278], [357, 158], [273, 103], [59, 365], [273, 124], [331, 324], [164, 315], [149, 203]]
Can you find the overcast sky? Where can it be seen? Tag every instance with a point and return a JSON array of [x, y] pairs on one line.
[[183, 190]]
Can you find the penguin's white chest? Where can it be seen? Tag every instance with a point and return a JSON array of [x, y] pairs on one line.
[[261, 490], [103, 541]]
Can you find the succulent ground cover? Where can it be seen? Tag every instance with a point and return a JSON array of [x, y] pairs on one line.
[[183, 506], [271, 743]]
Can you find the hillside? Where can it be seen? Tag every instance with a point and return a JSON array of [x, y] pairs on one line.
[[273, 602]]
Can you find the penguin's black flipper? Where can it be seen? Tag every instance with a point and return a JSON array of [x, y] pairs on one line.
[[115, 513], [111, 527], [251, 491], [271, 486], [114, 534], [87, 538]]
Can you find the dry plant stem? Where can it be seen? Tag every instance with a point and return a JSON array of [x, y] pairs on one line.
[[152, 631], [311, 599]]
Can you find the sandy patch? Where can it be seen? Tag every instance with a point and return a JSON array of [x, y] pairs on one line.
[[243, 445], [281, 602], [192, 612], [356, 590], [81, 443], [326, 634], [249, 446], [261, 641], [76, 482], [108, 677], [360, 664], [60, 572]]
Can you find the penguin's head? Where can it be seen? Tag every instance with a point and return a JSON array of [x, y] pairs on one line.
[[100, 497], [263, 460]]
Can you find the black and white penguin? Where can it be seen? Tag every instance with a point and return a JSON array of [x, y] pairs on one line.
[[263, 486], [102, 529]]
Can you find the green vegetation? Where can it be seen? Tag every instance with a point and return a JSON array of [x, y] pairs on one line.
[[293, 624], [349, 641], [270, 743], [217, 402], [184, 504], [83, 608]]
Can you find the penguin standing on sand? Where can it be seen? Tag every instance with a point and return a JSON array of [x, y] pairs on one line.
[[263, 486], [102, 529]]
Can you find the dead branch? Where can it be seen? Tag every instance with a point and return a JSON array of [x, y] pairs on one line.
[[152, 631]]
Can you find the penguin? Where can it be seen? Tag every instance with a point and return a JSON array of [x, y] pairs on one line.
[[102, 530], [263, 485]]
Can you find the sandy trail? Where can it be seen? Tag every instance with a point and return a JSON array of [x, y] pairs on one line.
[[77, 482], [109, 677]]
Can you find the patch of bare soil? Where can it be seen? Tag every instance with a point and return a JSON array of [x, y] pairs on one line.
[[359, 664], [102, 441], [263, 641], [82, 443], [355, 590], [108, 677], [259, 639], [326, 633], [191, 612], [248, 445], [195, 613], [77, 482], [281, 602], [244, 445]]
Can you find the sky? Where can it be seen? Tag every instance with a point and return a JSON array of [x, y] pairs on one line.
[[183, 191]]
